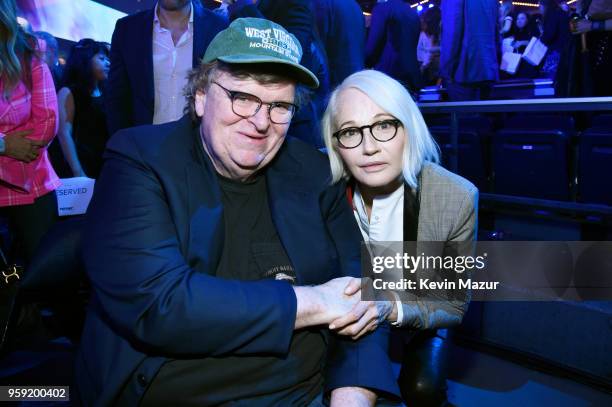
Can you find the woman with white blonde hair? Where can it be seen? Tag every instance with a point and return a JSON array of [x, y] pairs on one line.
[[377, 140]]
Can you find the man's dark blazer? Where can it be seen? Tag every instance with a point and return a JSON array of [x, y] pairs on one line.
[[469, 41], [130, 93], [392, 42], [153, 240], [341, 26]]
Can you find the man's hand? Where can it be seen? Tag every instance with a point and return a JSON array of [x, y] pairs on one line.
[[364, 317], [19, 147], [352, 397], [322, 304]]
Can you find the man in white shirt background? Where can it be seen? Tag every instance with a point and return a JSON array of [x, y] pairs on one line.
[[151, 53]]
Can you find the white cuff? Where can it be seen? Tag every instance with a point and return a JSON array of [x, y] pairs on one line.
[[400, 310]]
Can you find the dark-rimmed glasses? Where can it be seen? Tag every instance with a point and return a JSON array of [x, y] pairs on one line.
[[382, 131], [246, 105]]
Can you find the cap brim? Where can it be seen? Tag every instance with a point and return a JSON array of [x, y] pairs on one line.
[[297, 71]]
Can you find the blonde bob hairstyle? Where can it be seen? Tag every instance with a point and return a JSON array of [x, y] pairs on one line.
[[394, 99]]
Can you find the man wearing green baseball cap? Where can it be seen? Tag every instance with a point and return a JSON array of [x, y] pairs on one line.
[[219, 252]]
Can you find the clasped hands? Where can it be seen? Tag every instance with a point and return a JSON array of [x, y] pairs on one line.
[[338, 304]]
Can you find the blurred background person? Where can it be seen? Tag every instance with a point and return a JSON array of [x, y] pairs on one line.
[[599, 44], [468, 59], [428, 50], [82, 119], [341, 27], [51, 56], [28, 123], [505, 18], [555, 35], [152, 51], [392, 42], [521, 33]]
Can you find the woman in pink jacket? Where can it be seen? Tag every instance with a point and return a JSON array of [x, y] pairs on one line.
[[28, 123]]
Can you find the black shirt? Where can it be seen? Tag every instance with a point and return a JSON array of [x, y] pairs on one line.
[[252, 251]]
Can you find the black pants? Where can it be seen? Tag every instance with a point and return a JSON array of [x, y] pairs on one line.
[[29, 223], [422, 380]]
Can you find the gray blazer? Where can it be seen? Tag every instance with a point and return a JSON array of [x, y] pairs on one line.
[[448, 210], [446, 206]]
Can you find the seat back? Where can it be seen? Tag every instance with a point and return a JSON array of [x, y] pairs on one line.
[[595, 167], [57, 264], [526, 121], [473, 162], [602, 122], [531, 163]]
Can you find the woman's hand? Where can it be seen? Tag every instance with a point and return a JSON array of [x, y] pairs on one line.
[[19, 147], [364, 317], [582, 26]]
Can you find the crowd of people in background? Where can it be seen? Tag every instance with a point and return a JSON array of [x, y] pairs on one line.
[[458, 45]]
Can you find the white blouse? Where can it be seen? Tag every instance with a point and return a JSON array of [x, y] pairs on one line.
[[386, 224]]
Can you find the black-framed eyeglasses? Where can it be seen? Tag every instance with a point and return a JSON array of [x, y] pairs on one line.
[[246, 105], [382, 131]]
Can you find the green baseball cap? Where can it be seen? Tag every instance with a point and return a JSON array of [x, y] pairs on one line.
[[255, 40]]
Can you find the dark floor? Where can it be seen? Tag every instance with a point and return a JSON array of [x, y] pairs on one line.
[[476, 378], [480, 379]]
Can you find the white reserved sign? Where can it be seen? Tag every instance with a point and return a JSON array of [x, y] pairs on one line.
[[74, 195]]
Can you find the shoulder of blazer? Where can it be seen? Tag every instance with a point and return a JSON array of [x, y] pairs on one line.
[[445, 198], [439, 175], [158, 145], [135, 20], [436, 177]]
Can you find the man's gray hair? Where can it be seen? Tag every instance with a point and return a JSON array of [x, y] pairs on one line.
[[394, 99]]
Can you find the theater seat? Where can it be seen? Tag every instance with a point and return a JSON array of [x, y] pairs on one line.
[[602, 122], [57, 265], [531, 163], [595, 166], [473, 162], [56, 277]]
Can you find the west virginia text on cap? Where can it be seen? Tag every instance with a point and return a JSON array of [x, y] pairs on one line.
[[255, 40]]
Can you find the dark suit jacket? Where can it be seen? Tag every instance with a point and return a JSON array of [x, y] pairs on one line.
[[130, 96], [392, 42], [556, 34], [469, 41], [341, 26], [151, 247]]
